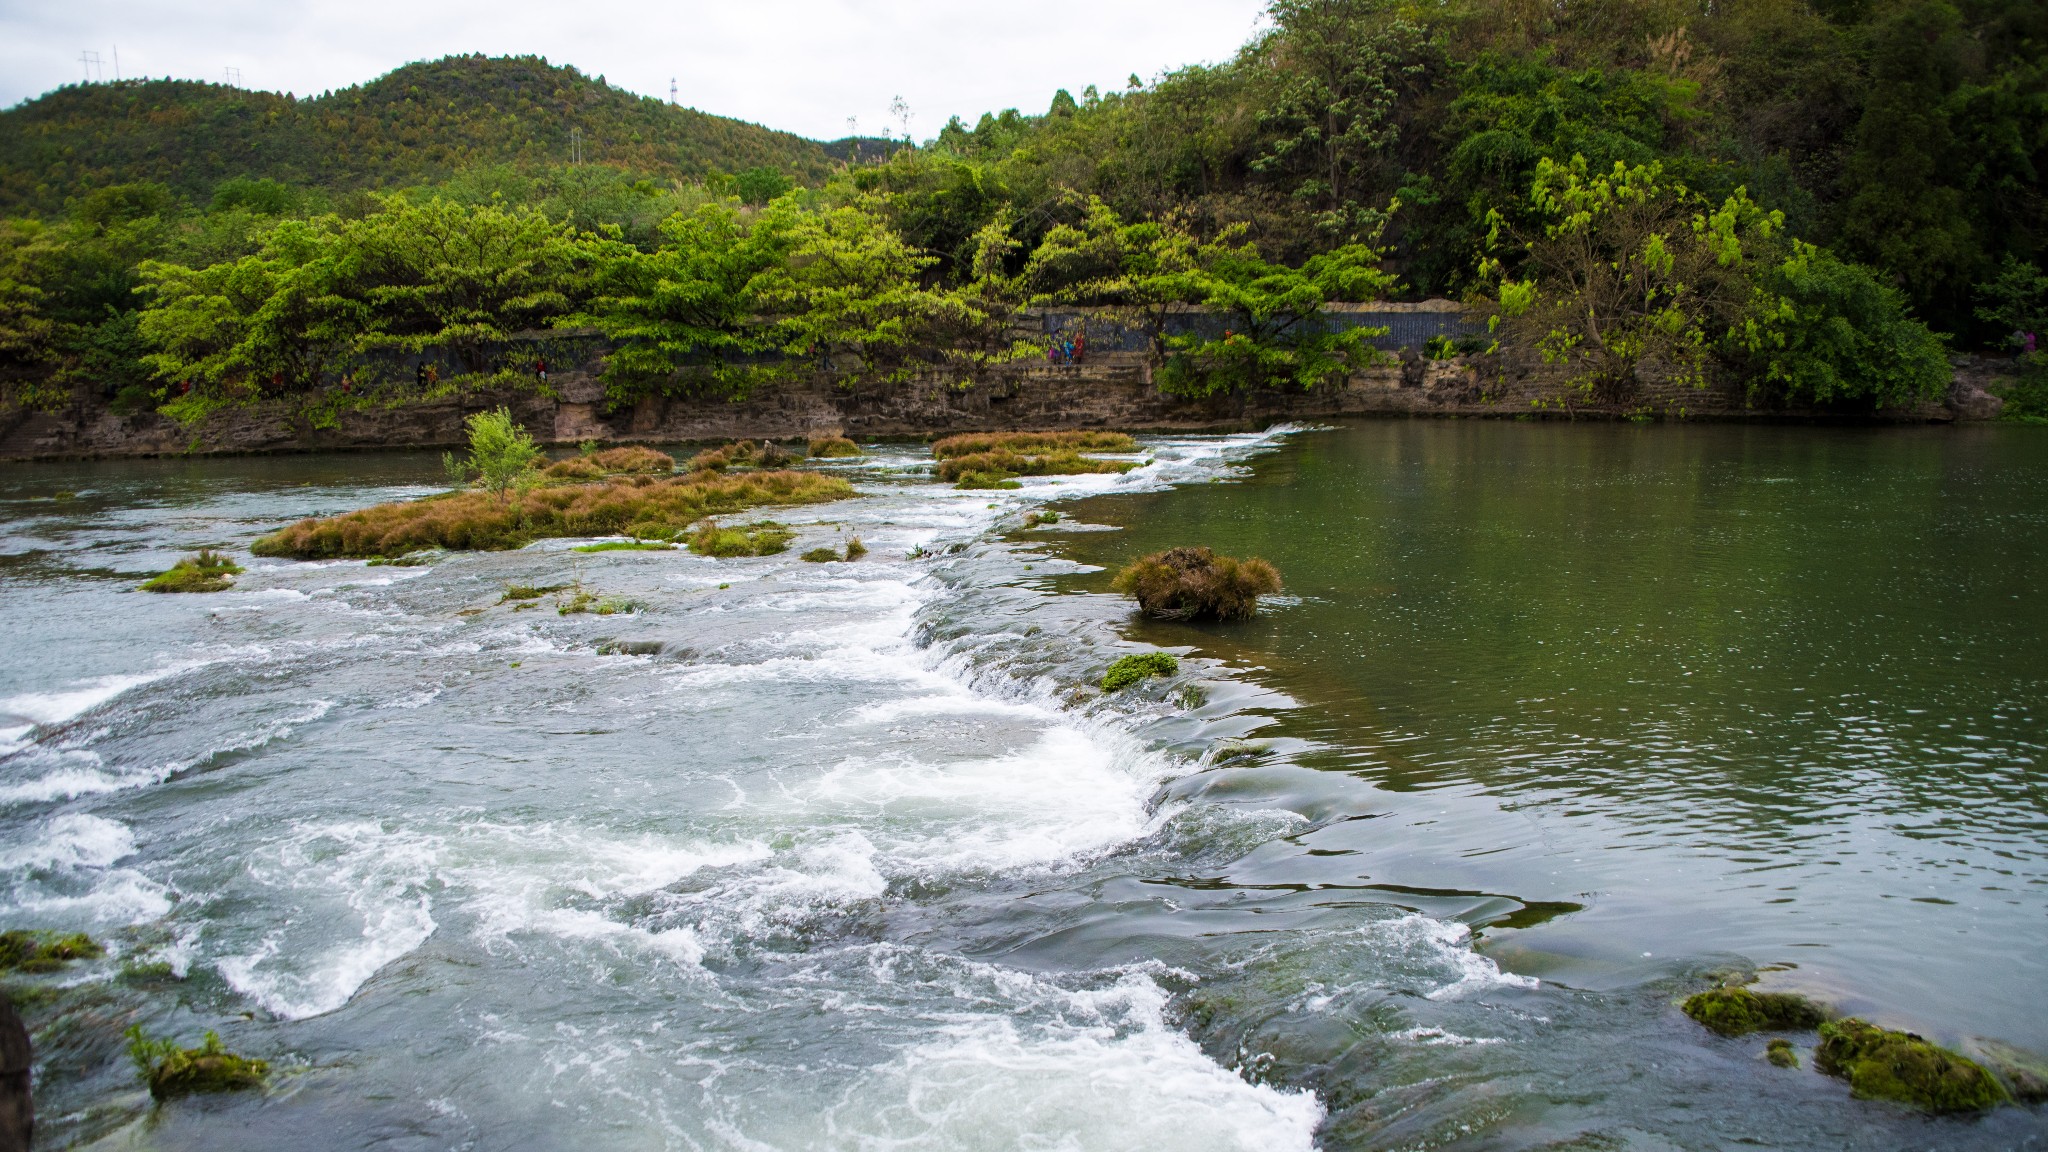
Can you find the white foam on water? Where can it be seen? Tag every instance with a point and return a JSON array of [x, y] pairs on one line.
[[67, 874], [1437, 1037], [1106, 1072], [45, 709], [337, 877]]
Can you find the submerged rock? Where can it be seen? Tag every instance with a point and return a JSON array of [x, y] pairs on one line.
[[1736, 1011], [171, 1071], [17, 1108], [1781, 1053], [1881, 1064], [2024, 1073]]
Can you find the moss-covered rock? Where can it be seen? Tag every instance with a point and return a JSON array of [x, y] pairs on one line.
[[2024, 1073], [171, 1071], [1881, 1064], [203, 571], [26, 951], [821, 555], [1736, 1011], [1129, 670], [1781, 1053]]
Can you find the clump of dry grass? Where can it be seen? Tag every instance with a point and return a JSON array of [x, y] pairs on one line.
[[634, 458], [1032, 443], [479, 521], [828, 447], [1197, 584], [573, 469], [743, 454]]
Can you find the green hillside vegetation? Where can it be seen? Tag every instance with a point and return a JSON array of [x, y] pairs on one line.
[[423, 123], [1816, 202]]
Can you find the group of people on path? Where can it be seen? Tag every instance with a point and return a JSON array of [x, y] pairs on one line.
[[1067, 349]]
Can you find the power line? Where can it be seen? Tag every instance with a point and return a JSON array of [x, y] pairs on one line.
[[234, 76], [91, 62]]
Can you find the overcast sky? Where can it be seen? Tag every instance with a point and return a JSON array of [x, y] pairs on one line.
[[801, 65]]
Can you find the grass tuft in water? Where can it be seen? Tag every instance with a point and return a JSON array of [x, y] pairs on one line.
[[761, 538], [171, 1071], [529, 591], [1038, 518], [1129, 670], [22, 950], [743, 454], [833, 447], [626, 546], [986, 480], [1197, 584], [203, 571], [1881, 1064], [1737, 1011], [855, 549], [821, 556], [1032, 443]]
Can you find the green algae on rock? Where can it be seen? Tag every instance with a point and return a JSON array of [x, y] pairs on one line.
[[1781, 1053], [22, 950], [1881, 1064], [203, 571], [172, 1071], [1735, 1011], [1138, 666]]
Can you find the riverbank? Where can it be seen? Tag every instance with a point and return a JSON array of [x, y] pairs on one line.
[[1111, 390]]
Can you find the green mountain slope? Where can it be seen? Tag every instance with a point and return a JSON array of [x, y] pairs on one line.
[[420, 123]]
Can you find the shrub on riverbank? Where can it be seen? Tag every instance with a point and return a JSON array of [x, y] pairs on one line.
[[1006, 463], [1197, 584], [203, 571], [831, 447], [1736, 1011], [1881, 1064], [479, 521], [173, 1071], [1129, 670], [761, 538], [22, 950]]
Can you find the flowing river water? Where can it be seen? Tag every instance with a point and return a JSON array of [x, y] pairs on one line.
[[1553, 725]]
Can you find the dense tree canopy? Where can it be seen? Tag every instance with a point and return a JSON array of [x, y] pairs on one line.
[[1795, 194]]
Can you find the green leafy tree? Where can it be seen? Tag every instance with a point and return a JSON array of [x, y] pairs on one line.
[[1823, 330], [501, 457]]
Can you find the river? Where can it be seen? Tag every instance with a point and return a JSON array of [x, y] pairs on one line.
[[1553, 725]]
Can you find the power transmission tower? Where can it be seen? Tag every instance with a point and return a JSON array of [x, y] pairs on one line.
[[117, 63], [671, 89], [91, 62], [575, 145], [234, 76]]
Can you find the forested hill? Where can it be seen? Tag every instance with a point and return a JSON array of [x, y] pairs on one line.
[[420, 124]]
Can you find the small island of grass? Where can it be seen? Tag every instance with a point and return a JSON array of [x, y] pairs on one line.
[[515, 502], [171, 1071], [203, 571], [1138, 666], [992, 459], [1881, 1064], [1197, 584], [25, 950]]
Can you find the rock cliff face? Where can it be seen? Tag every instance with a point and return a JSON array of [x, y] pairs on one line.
[[1111, 390]]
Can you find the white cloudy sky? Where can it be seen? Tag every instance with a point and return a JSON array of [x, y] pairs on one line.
[[801, 65]]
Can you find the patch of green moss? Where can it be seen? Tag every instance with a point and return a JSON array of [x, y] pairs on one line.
[[1038, 518], [172, 1071], [203, 571], [1881, 1064], [626, 546], [1781, 1053], [409, 560], [1131, 669], [987, 480], [1735, 1011], [762, 538], [821, 556], [855, 549], [22, 950], [529, 591]]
